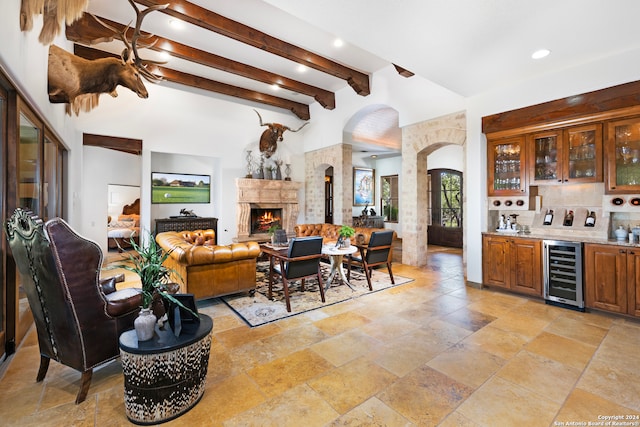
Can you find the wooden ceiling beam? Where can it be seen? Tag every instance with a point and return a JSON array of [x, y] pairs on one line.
[[168, 74], [126, 145], [204, 18], [86, 29]]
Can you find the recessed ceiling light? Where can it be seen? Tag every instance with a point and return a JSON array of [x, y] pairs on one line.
[[374, 156], [538, 54], [275, 87], [165, 56], [302, 68], [338, 43], [176, 23]]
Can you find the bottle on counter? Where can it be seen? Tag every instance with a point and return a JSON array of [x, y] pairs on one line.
[[548, 217], [568, 219], [590, 221]]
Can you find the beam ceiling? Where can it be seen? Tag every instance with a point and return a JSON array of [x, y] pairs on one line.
[[168, 74], [87, 31], [211, 21]]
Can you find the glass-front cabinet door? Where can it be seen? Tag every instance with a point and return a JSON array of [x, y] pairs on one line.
[[507, 171], [545, 160], [623, 156], [573, 155], [584, 154]]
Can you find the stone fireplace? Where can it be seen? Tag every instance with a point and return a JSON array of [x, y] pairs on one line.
[[260, 202]]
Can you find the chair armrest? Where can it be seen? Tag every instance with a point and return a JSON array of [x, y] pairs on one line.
[[108, 284], [285, 258]]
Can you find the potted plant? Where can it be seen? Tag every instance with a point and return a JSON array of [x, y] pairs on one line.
[[272, 231], [345, 234], [147, 262]]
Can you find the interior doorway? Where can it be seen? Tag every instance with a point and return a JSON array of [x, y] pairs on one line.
[[445, 191], [328, 195]]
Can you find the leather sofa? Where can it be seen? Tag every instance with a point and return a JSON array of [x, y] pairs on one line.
[[330, 232], [205, 269]]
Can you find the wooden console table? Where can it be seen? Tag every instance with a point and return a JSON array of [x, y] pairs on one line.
[[187, 223]]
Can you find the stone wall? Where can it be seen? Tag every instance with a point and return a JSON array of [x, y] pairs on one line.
[[418, 140]]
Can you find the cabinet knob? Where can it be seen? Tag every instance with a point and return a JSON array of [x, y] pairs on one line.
[[566, 180], [622, 251], [632, 253]]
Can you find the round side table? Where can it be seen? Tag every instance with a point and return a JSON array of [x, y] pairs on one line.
[[165, 376]]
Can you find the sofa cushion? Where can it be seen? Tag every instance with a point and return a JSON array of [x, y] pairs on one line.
[[330, 232], [191, 248]]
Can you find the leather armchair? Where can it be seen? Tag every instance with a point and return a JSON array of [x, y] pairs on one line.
[[78, 317]]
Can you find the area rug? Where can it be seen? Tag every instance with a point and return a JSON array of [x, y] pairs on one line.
[[256, 309]]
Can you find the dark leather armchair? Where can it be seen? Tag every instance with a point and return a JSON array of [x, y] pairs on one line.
[[301, 261], [78, 318], [377, 252]]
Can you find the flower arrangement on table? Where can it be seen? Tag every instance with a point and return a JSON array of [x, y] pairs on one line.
[[344, 236]]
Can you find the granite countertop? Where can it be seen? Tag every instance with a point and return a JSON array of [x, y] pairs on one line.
[[582, 239]]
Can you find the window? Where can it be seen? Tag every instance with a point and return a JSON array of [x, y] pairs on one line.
[[446, 198], [389, 200]]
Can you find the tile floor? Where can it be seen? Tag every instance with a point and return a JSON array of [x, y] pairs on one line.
[[431, 352]]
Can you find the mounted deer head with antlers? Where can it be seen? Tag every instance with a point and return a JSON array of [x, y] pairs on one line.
[[271, 136], [79, 82]]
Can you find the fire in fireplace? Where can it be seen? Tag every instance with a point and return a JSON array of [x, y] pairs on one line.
[[262, 219]]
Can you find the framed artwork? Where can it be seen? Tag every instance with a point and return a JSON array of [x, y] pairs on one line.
[[180, 188], [364, 188]]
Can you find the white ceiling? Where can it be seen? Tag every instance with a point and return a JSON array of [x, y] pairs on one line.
[[466, 46]]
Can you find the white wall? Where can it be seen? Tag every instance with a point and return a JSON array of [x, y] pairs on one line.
[[447, 157], [101, 168]]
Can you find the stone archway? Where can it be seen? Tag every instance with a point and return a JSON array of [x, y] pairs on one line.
[[316, 162], [418, 140]]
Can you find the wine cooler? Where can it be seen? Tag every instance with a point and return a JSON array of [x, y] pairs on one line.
[[563, 282]]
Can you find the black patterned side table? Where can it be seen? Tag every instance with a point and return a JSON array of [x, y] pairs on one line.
[[165, 376]]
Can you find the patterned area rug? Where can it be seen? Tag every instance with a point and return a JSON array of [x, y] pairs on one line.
[[257, 309]]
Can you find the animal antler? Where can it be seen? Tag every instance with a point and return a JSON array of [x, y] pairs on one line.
[[132, 47]]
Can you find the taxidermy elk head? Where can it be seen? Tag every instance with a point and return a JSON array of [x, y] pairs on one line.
[[79, 82], [271, 136], [55, 13]]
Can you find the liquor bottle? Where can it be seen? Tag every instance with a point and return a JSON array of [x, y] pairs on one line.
[[591, 220], [568, 219], [548, 217]]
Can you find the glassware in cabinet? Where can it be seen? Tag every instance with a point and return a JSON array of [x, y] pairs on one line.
[[572, 155], [584, 154], [623, 156], [545, 158], [506, 167]]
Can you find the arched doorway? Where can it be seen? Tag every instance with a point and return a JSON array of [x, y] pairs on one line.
[[418, 142], [445, 195]]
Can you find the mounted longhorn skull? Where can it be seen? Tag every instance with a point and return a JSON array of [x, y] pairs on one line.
[[270, 137], [79, 82]]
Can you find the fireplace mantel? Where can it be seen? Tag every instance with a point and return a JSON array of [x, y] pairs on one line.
[[265, 194]]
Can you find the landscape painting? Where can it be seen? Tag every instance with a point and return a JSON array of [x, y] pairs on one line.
[[180, 188]]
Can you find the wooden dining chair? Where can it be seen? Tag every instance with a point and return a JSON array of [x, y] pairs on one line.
[[377, 252], [302, 260]]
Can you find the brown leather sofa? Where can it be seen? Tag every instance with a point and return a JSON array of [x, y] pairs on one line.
[[329, 232], [208, 270]]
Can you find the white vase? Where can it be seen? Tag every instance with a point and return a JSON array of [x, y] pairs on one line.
[[346, 242], [145, 324]]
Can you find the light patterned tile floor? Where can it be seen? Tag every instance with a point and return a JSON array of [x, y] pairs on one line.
[[432, 352]]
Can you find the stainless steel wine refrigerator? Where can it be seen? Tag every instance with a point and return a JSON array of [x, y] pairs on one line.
[[563, 279]]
